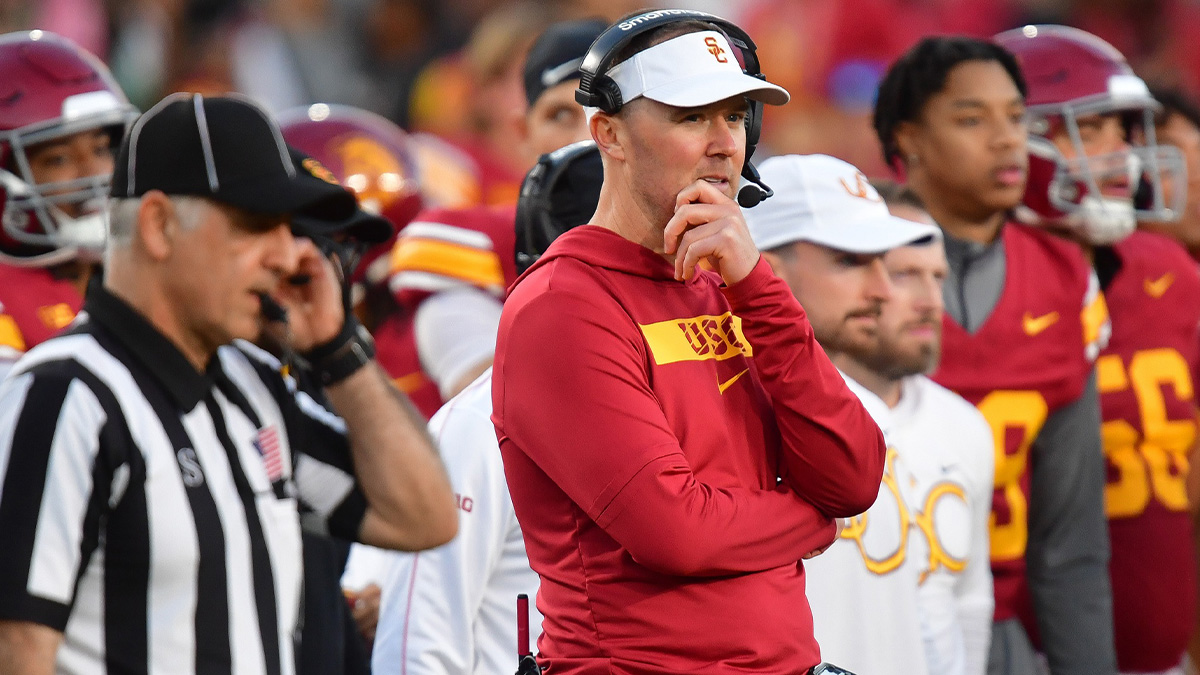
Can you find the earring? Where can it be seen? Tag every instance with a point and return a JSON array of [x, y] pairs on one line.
[[913, 159]]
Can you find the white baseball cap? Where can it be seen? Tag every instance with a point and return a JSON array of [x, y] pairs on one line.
[[692, 70], [823, 200]]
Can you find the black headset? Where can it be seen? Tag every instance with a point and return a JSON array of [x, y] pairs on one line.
[[560, 192], [598, 90]]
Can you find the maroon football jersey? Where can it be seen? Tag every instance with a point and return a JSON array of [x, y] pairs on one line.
[[34, 305], [1026, 361], [396, 351], [1148, 402], [441, 250]]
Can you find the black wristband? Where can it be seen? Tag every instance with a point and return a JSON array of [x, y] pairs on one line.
[[344, 355]]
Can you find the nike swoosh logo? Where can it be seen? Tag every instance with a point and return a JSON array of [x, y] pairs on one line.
[[1036, 324], [1156, 287], [722, 386], [552, 76]]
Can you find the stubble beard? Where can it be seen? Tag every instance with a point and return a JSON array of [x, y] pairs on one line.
[[884, 355]]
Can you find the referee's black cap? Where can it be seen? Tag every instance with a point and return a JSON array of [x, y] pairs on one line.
[[556, 55], [225, 148], [368, 228]]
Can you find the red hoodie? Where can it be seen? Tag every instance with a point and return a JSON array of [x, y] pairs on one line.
[[643, 423]]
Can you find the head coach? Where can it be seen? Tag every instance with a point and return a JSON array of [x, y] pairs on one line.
[[155, 467], [647, 409]]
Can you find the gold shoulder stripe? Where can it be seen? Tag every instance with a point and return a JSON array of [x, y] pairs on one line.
[[472, 265], [698, 338], [10, 335]]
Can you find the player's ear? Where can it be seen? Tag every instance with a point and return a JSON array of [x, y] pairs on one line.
[[157, 225], [609, 133], [906, 135]]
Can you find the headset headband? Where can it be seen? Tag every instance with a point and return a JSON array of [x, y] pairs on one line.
[[610, 43]]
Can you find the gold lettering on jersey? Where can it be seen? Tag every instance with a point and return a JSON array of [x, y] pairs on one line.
[[938, 556], [1151, 462], [856, 527], [56, 316], [697, 338], [1015, 417]]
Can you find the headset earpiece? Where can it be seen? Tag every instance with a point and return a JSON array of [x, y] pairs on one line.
[[608, 94], [753, 126]]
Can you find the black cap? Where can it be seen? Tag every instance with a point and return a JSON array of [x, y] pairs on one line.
[[559, 193], [224, 148], [360, 226], [556, 55]]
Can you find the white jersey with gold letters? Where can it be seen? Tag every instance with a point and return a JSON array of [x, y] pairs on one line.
[[907, 587]]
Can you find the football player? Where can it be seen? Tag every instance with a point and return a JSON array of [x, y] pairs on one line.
[[450, 267], [1095, 171], [1178, 124], [61, 116], [1022, 312]]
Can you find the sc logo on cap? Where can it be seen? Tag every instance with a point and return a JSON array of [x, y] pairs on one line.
[[715, 49]]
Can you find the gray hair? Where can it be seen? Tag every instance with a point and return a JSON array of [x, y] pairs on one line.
[[123, 212]]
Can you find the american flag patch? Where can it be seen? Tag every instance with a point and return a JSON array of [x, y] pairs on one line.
[[266, 441]]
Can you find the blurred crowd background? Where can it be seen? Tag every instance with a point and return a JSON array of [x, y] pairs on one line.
[[453, 67]]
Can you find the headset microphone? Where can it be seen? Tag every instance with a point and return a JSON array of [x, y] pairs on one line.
[[755, 190], [272, 310]]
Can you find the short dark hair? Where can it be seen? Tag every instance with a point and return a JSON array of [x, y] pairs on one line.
[[1176, 101], [921, 73], [894, 194]]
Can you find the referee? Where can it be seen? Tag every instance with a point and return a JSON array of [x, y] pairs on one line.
[[153, 465]]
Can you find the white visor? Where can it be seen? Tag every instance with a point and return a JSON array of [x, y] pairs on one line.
[[689, 71]]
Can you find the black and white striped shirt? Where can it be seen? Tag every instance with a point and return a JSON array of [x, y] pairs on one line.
[[152, 513]]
